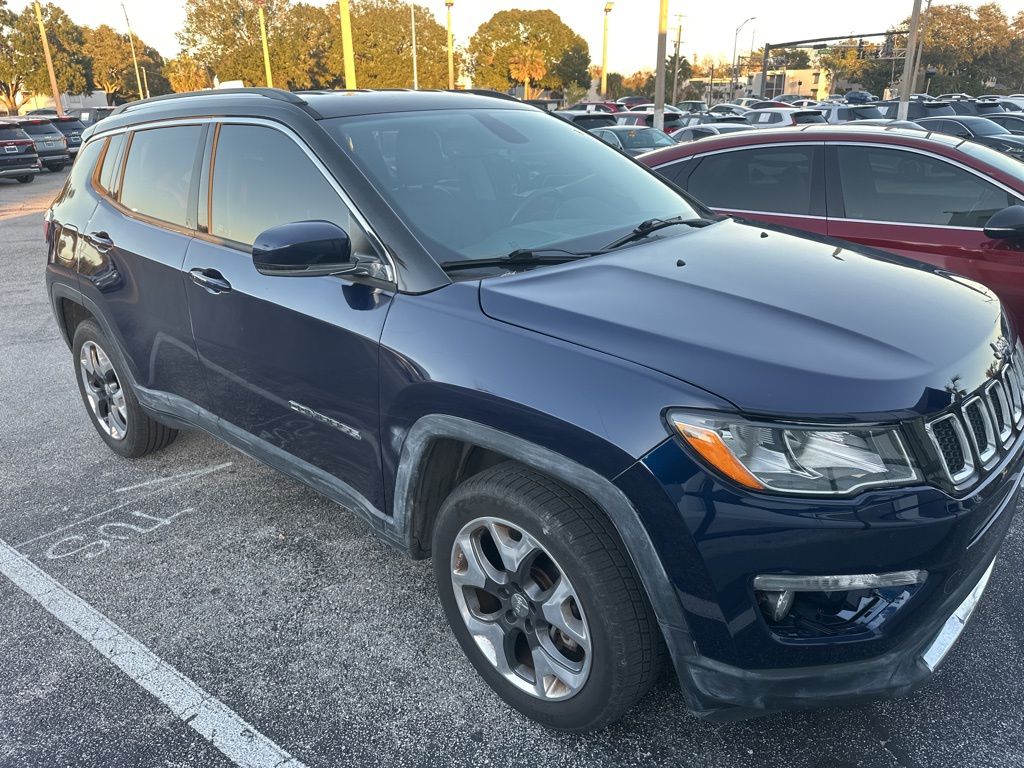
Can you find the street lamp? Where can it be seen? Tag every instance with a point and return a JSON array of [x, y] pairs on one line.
[[415, 66], [735, 38], [451, 55], [131, 40], [604, 53]]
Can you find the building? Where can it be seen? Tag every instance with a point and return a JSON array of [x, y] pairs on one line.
[[811, 83]]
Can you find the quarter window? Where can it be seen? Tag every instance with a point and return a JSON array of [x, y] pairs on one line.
[[894, 185], [761, 179], [111, 161], [262, 179], [158, 172]]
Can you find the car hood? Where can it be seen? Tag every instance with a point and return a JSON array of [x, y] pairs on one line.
[[774, 323]]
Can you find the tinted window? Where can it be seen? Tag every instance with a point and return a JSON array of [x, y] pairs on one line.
[[644, 138], [69, 127], [111, 161], [41, 129], [262, 179], [893, 185], [158, 172], [769, 179], [806, 119], [484, 182], [9, 134]]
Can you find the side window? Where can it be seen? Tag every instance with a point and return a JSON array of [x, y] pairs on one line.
[[111, 162], [881, 184], [775, 117], [158, 172], [763, 179], [262, 178]]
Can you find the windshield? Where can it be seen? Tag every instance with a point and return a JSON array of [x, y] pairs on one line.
[[996, 159], [481, 183], [986, 128], [644, 138], [865, 113], [40, 129]]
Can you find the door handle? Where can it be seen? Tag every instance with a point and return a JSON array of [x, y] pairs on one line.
[[210, 279], [100, 241]]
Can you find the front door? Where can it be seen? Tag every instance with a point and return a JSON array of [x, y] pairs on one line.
[[291, 361], [924, 207]]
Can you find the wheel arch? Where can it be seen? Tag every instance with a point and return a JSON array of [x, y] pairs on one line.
[[438, 440]]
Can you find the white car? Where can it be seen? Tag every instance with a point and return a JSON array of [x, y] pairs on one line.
[[729, 109]]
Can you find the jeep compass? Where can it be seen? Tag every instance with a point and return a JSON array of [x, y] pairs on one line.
[[630, 434]]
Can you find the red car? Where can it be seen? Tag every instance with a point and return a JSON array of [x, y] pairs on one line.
[[923, 195]]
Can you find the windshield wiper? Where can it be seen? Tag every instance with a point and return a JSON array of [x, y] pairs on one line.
[[522, 257], [644, 228]]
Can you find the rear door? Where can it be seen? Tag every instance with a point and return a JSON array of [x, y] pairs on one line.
[[780, 184], [291, 361], [925, 207]]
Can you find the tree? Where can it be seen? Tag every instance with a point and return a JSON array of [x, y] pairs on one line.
[[640, 83], [22, 64], [527, 66], [968, 46], [510, 33], [224, 36], [186, 74], [616, 89]]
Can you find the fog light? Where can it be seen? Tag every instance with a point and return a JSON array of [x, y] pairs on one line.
[[782, 583], [776, 604]]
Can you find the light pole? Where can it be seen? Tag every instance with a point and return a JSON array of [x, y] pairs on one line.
[[266, 49], [415, 72], [346, 45], [735, 39], [604, 53], [49, 61], [675, 69], [451, 54], [131, 41], [659, 76], [908, 63]]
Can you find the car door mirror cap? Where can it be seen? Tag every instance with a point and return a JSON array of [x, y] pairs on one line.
[[304, 249], [1006, 224]]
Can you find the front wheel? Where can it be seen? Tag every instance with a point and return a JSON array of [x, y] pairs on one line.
[[543, 600]]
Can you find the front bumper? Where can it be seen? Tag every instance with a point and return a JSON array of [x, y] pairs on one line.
[[732, 662]]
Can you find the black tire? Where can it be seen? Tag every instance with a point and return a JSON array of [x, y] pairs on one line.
[[27, 178], [55, 167], [625, 640], [141, 434]]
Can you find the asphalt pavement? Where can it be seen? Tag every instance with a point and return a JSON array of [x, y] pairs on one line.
[[284, 608]]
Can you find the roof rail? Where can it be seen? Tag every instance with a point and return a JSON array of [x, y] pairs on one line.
[[269, 93]]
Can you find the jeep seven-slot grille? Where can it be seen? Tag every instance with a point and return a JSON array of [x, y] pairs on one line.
[[981, 427]]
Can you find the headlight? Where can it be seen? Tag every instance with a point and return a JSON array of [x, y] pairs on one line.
[[797, 459]]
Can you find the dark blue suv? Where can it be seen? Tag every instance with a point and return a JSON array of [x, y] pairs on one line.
[[628, 433]]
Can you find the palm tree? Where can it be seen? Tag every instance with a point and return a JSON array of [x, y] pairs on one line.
[[525, 66]]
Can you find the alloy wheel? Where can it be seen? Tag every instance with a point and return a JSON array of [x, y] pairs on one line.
[[521, 609], [103, 390]]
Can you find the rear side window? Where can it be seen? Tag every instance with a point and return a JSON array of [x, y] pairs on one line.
[[894, 185], [261, 179], [158, 172], [760, 179], [111, 162]]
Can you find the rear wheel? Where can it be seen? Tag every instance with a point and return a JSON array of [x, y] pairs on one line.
[[109, 399], [542, 598], [27, 178]]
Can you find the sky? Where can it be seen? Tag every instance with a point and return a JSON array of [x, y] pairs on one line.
[[708, 28]]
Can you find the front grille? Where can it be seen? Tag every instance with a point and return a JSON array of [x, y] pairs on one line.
[[969, 437]]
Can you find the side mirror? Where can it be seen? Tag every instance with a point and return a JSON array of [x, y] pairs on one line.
[[303, 249], [1007, 223]]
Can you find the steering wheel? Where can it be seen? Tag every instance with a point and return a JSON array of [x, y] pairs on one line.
[[544, 194]]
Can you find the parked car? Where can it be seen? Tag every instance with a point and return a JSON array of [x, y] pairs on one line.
[[711, 129], [554, 389], [596, 106], [692, 106], [18, 157], [632, 139], [860, 97], [671, 119], [72, 129], [630, 101], [90, 115], [805, 103], [916, 109], [789, 98], [650, 108], [977, 129], [783, 117], [844, 113], [728, 109], [953, 96], [1008, 105], [924, 195], [1012, 122], [43, 112], [770, 105], [747, 101], [885, 122], [587, 120], [51, 145], [973, 107]]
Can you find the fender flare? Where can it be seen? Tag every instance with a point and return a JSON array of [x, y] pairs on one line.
[[605, 494]]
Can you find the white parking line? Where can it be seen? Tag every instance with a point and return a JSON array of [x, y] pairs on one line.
[[182, 476], [208, 716]]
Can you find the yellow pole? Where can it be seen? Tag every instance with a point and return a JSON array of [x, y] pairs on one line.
[[131, 41], [346, 45], [266, 50], [604, 53], [451, 53], [145, 82], [49, 61]]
